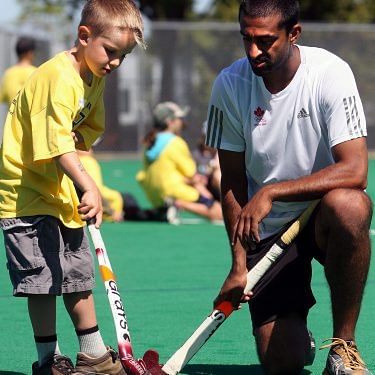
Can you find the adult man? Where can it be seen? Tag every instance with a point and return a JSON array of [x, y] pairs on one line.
[[289, 130]]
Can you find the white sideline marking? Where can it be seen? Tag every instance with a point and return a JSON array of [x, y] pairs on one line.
[[195, 221]]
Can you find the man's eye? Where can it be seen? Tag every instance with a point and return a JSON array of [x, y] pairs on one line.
[[266, 42]]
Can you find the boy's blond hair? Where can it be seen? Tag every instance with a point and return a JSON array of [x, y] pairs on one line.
[[100, 15]]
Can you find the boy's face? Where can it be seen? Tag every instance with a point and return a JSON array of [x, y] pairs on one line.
[[105, 53]]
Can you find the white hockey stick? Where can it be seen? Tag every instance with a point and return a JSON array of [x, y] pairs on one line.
[[221, 312]]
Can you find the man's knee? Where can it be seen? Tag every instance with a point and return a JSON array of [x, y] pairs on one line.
[[282, 345], [346, 208]]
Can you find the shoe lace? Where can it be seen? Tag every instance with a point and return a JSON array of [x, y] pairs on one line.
[[113, 354], [64, 365], [351, 358]]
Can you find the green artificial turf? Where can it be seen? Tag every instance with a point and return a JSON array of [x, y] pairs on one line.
[[168, 277]]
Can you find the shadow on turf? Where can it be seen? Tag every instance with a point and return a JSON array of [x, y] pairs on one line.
[[11, 373], [227, 370]]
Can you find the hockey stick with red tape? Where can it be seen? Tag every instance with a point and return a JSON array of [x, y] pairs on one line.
[[151, 357], [223, 310]]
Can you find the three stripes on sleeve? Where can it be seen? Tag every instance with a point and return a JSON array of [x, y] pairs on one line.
[[214, 127]]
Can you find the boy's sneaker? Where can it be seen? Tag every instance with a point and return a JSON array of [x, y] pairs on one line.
[[57, 365], [108, 364], [311, 356], [344, 359]]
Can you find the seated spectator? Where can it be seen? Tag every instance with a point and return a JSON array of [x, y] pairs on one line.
[[169, 171], [119, 206], [208, 165]]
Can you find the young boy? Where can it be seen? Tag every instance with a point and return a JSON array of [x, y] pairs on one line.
[[61, 108]]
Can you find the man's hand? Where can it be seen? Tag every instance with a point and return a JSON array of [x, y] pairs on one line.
[[233, 290], [247, 225]]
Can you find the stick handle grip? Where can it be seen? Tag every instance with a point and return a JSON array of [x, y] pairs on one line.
[[257, 272]]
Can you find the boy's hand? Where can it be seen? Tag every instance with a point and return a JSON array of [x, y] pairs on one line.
[[78, 140], [91, 206]]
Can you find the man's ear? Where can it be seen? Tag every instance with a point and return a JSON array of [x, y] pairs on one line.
[[295, 33], [84, 34]]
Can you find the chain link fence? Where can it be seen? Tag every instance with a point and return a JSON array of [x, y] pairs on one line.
[[181, 63]]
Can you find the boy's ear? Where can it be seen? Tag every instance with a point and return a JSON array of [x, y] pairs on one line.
[[83, 34]]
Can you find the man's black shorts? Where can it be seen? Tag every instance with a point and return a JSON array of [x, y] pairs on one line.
[[286, 286]]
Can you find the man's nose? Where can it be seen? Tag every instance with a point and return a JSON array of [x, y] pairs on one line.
[[253, 51]]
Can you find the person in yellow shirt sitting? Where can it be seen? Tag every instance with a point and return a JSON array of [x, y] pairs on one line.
[[14, 78], [169, 171], [120, 206]]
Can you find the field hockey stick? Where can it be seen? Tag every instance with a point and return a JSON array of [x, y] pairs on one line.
[[221, 312], [131, 365]]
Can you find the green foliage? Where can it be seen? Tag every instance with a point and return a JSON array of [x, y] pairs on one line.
[[359, 11], [167, 9], [227, 10], [61, 9], [338, 10]]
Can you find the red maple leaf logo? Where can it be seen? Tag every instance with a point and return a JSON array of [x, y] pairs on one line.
[[259, 112]]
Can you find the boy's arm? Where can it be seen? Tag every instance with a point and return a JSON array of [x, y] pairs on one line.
[[91, 202]]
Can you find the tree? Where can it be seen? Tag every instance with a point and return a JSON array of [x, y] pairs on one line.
[[62, 9], [166, 9], [311, 10]]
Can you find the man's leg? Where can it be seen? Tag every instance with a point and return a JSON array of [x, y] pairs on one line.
[[283, 345], [342, 227]]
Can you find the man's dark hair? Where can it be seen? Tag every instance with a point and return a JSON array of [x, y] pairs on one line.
[[288, 9], [24, 45]]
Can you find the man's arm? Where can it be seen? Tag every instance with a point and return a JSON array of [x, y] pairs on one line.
[[233, 197], [349, 171]]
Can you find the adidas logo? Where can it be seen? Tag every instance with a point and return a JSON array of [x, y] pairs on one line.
[[302, 113]]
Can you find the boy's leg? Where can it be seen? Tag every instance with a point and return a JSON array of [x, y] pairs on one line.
[[81, 309], [94, 356], [42, 312], [77, 260]]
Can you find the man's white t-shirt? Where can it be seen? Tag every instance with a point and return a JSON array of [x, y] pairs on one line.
[[289, 134]]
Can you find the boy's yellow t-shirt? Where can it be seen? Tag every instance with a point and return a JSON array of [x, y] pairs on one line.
[[53, 102], [13, 80]]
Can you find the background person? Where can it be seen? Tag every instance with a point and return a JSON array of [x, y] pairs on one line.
[[47, 250], [169, 172], [292, 130], [15, 77], [120, 206], [208, 165]]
